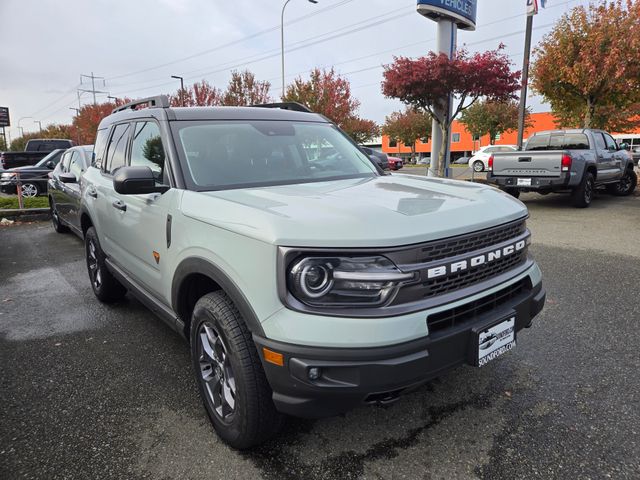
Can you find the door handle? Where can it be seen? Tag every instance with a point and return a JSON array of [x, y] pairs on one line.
[[524, 159], [119, 205]]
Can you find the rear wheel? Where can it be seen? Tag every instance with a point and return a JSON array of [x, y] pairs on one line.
[[29, 189], [625, 186], [103, 283], [55, 218], [232, 383], [514, 192], [478, 166], [582, 196]]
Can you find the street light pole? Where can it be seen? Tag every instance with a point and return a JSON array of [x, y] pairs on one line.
[[181, 88], [39, 125], [282, 38], [19, 127]]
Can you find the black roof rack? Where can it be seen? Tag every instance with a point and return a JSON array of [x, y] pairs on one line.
[[159, 101], [294, 106]]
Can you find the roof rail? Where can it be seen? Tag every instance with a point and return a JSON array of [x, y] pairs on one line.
[[159, 101], [294, 106]]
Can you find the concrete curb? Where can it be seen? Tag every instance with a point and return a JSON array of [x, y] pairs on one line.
[[25, 214]]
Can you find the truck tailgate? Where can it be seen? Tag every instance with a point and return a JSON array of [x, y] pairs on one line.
[[529, 164]]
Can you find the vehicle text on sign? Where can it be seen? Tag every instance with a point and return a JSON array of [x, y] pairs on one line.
[[463, 12]]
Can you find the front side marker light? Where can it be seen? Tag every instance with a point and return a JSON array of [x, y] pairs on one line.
[[273, 357]]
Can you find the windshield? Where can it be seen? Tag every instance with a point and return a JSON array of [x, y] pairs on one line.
[[232, 154], [53, 156]]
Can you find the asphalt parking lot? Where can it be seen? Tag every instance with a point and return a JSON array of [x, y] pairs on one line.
[[95, 391]]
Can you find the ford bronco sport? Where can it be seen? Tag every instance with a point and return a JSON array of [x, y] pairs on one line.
[[250, 231]]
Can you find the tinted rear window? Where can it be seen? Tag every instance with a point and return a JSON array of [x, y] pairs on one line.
[[567, 141]]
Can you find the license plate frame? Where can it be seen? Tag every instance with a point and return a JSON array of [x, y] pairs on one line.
[[493, 340], [523, 182]]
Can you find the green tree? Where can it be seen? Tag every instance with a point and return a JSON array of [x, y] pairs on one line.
[[50, 131], [587, 67], [407, 127], [491, 118]]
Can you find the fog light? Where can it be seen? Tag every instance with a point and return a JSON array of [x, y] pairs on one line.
[[314, 373]]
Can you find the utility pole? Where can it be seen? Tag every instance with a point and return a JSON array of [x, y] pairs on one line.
[[39, 125], [93, 86], [522, 108]]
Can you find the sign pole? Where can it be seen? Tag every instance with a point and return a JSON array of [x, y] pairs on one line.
[[522, 110], [446, 43]]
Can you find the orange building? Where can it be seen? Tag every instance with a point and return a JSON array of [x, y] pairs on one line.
[[462, 142]]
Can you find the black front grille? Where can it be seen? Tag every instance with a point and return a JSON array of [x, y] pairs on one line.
[[457, 281], [470, 311], [471, 242]]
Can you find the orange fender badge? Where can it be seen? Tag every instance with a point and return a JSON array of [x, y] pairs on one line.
[[156, 255]]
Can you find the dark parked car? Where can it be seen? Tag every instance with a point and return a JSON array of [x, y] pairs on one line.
[[35, 150], [33, 179], [64, 189], [379, 157]]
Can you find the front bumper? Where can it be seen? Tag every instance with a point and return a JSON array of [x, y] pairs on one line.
[[8, 187], [352, 377], [548, 184]]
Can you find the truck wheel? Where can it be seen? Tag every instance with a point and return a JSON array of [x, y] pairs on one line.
[[55, 219], [478, 166], [104, 284], [232, 383], [514, 192], [625, 186], [582, 195]]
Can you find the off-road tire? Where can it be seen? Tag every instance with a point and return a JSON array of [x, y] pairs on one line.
[[55, 218], [582, 195], [105, 286], [626, 186], [254, 418]]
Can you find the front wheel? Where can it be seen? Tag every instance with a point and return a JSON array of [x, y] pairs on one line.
[[104, 284], [55, 218], [478, 166], [582, 195], [232, 383], [625, 186]]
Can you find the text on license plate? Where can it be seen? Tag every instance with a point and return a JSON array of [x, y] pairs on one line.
[[496, 340], [524, 182]]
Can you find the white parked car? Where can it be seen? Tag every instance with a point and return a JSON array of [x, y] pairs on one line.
[[480, 160]]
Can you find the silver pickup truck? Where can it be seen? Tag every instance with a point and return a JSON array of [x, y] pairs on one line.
[[574, 161]]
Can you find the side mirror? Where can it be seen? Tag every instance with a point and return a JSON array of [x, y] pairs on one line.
[[50, 165], [68, 177], [624, 146], [136, 181]]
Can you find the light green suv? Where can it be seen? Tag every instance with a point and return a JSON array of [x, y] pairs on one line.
[[306, 281]]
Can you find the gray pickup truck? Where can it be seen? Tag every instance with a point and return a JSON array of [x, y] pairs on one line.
[[574, 161]]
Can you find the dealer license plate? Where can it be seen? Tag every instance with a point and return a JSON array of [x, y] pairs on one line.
[[524, 182], [496, 340]]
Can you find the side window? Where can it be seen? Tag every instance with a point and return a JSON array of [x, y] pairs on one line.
[[491, 150], [117, 148], [611, 143], [575, 141], [99, 146], [147, 149], [65, 162], [599, 139]]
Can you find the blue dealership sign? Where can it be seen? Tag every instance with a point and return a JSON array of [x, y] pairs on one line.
[[463, 12]]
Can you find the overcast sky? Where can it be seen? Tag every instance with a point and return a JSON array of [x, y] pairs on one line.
[[138, 44]]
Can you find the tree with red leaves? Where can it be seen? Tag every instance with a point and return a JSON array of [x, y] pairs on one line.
[[200, 94], [244, 89], [428, 82], [329, 94]]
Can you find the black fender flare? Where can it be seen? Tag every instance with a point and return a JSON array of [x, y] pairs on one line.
[[203, 266]]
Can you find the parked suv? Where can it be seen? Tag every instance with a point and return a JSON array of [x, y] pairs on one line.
[[380, 158], [296, 296]]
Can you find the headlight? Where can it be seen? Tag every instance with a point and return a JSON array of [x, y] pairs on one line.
[[7, 176], [345, 281]]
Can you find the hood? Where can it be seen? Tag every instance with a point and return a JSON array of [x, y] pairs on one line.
[[29, 168], [375, 212]]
